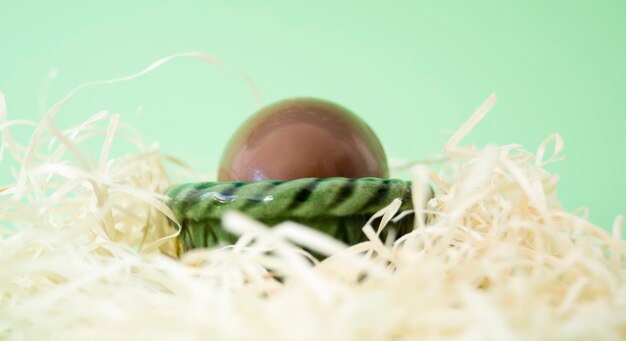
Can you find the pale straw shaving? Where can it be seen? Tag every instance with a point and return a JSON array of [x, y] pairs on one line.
[[89, 251]]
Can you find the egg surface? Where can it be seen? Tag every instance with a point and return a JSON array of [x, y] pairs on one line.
[[303, 138]]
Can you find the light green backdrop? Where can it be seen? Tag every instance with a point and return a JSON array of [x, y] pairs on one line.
[[413, 70]]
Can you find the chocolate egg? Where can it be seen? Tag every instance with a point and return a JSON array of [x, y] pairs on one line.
[[303, 138]]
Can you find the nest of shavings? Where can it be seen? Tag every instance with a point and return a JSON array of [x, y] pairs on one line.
[[86, 251]]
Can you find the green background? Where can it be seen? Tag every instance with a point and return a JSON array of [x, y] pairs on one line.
[[413, 70]]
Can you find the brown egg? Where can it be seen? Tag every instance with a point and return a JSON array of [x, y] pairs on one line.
[[303, 138]]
